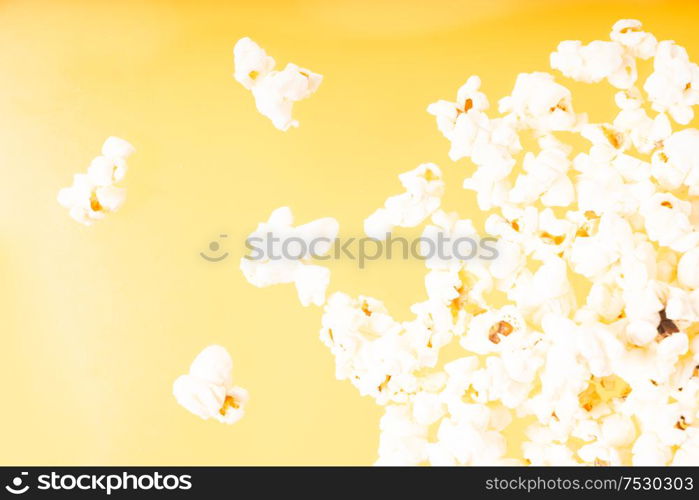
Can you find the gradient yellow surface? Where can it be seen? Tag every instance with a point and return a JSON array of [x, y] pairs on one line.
[[97, 322]]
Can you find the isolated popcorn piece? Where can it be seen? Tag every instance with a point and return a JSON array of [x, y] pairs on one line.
[[423, 192], [275, 91], [674, 84], [93, 195], [312, 239], [208, 390]]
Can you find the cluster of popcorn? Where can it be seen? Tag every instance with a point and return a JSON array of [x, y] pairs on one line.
[[208, 391], [606, 377], [275, 91], [95, 194]]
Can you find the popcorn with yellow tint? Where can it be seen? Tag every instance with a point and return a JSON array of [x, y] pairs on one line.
[[275, 91], [271, 261], [607, 378], [93, 195], [423, 192], [208, 390]]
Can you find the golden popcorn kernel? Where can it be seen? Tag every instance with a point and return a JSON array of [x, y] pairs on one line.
[[229, 402], [551, 239], [430, 176], [613, 386], [95, 204], [681, 424], [384, 384], [582, 232], [500, 328], [666, 204], [615, 138], [515, 225], [469, 395], [630, 29], [561, 105], [589, 398], [365, 308], [253, 75], [663, 156], [695, 373], [468, 104]]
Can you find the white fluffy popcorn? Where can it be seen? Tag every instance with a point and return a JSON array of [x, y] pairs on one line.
[[208, 390], [95, 194], [584, 329], [275, 91], [282, 253], [423, 192]]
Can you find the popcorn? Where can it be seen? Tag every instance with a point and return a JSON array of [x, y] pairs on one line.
[[677, 164], [93, 195], [584, 328], [688, 269], [423, 192], [674, 85], [280, 266], [403, 442], [667, 222], [275, 91], [595, 62], [639, 43], [208, 390], [538, 102]]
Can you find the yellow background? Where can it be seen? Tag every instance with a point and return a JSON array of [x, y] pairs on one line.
[[97, 322]]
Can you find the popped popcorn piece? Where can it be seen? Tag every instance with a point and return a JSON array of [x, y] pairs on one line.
[[595, 62], [629, 33], [538, 102], [275, 260], [423, 192], [674, 84], [402, 442], [93, 195], [208, 390], [275, 91]]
